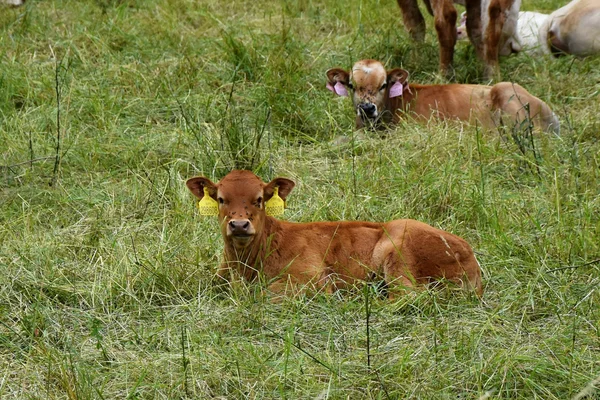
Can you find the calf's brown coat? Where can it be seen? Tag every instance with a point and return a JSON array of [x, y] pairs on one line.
[[328, 255], [385, 96]]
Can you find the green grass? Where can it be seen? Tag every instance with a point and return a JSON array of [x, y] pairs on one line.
[[106, 268]]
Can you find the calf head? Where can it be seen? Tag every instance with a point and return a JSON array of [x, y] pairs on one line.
[[241, 198], [371, 87]]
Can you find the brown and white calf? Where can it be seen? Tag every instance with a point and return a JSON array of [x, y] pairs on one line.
[[486, 20], [328, 255], [382, 96]]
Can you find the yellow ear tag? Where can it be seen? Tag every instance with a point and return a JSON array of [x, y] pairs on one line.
[[207, 205], [275, 206]]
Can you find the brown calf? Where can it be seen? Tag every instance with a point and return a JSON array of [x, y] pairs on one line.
[[384, 96], [328, 255], [485, 26]]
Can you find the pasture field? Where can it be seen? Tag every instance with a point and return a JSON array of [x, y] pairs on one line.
[[106, 268]]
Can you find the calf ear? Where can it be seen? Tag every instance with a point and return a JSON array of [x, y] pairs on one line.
[[285, 187], [397, 80], [197, 185], [338, 81]]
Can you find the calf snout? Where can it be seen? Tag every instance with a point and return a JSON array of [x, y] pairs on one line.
[[368, 110], [240, 227]]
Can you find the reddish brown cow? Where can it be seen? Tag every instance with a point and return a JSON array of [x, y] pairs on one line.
[[485, 26], [328, 255], [385, 96]]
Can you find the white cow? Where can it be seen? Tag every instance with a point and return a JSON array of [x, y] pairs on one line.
[[529, 32], [14, 3], [573, 29]]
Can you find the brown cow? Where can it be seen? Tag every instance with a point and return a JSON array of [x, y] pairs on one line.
[[485, 27], [328, 255], [384, 96]]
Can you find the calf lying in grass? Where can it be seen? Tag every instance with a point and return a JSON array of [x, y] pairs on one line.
[[385, 96], [326, 255]]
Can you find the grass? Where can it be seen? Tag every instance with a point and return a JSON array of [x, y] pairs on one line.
[[106, 286]]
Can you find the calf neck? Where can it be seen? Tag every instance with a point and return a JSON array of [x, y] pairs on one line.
[[328, 255]]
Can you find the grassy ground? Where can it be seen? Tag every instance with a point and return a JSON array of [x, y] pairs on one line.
[[105, 284]]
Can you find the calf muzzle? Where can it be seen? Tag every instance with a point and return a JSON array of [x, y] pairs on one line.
[[368, 110], [240, 228]]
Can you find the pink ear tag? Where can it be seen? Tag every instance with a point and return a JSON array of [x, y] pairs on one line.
[[340, 89], [396, 89]]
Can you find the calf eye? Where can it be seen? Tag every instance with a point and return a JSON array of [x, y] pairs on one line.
[[383, 86], [221, 201], [259, 202], [350, 86]]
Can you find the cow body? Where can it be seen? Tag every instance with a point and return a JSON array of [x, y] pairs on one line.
[[573, 29], [385, 96], [329, 255], [14, 3], [485, 23], [529, 32]]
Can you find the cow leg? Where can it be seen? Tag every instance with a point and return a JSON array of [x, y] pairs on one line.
[[400, 287], [493, 34], [445, 25], [474, 25], [413, 19]]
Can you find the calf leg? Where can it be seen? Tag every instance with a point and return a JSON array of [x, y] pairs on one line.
[[445, 25], [396, 273], [413, 19]]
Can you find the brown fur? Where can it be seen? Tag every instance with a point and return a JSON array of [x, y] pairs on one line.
[[329, 255], [487, 104], [487, 44]]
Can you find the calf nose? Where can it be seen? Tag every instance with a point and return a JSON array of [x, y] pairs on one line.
[[239, 227], [368, 108]]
